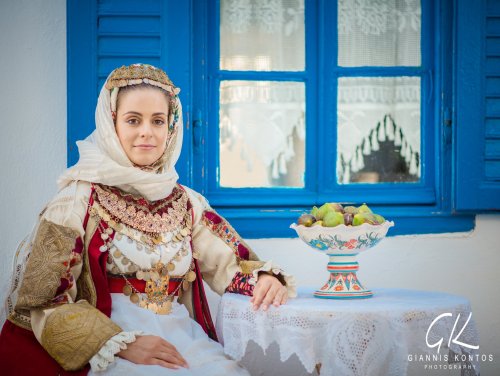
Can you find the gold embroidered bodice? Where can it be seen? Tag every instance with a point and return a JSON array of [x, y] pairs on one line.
[[150, 241]]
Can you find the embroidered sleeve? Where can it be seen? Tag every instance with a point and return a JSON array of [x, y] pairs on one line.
[[70, 332], [48, 277], [73, 333], [227, 262]]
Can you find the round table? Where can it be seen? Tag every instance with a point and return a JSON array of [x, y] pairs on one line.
[[383, 335]]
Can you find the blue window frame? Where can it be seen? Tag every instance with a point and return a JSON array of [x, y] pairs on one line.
[[182, 37], [418, 207]]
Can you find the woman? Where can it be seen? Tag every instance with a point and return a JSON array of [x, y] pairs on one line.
[[114, 276]]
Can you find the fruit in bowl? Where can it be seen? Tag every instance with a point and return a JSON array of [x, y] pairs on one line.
[[333, 214], [342, 232]]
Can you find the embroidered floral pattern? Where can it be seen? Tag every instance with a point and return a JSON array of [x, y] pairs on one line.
[[220, 227], [240, 285], [48, 271]]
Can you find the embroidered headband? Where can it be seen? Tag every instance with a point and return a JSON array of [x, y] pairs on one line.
[[136, 74]]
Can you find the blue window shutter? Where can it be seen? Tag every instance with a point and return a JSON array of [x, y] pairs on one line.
[[106, 34], [477, 177]]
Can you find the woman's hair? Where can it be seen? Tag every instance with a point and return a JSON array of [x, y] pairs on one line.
[[128, 88]]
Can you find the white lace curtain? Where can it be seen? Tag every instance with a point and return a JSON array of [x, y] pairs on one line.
[[263, 119]]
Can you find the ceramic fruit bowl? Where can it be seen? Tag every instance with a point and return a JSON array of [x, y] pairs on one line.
[[342, 244]]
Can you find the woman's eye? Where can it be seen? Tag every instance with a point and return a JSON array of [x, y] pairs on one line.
[[158, 122], [133, 121]]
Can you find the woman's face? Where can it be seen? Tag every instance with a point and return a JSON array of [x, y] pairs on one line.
[[142, 124]]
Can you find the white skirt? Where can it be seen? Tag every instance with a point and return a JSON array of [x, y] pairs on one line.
[[204, 356]]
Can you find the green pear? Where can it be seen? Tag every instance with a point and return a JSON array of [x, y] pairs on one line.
[[379, 219], [364, 209], [306, 220], [333, 219], [318, 223], [321, 212], [351, 210], [361, 218], [335, 206], [314, 211]]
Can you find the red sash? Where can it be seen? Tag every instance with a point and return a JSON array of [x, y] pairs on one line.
[[116, 284]]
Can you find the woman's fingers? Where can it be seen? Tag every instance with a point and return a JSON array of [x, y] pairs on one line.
[[285, 296], [150, 349], [171, 354], [163, 363], [269, 298], [259, 293], [267, 291], [170, 357], [278, 299]]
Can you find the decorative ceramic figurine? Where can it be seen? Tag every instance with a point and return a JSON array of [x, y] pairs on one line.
[[342, 243]]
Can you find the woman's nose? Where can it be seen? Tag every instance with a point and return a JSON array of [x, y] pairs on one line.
[[146, 130]]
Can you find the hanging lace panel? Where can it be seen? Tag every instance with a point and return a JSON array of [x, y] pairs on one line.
[[262, 133], [262, 35], [379, 32], [378, 120]]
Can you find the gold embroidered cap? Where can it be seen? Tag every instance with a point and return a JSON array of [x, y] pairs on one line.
[[136, 74]]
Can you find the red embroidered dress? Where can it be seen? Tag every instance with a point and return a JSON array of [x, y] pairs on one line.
[[133, 253]]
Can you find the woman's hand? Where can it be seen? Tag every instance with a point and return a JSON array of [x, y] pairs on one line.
[[153, 350], [268, 290]]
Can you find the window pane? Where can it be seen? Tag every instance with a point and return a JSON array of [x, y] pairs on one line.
[[378, 138], [262, 35], [262, 134], [379, 32]]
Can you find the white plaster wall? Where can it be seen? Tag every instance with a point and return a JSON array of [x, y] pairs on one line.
[[33, 115], [33, 154]]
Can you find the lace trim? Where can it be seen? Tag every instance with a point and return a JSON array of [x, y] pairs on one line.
[[270, 267], [106, 355]]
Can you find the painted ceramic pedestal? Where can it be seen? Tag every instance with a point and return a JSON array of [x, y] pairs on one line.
[[342, 244]]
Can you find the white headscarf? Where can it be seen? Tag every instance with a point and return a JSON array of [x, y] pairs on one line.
[[103, 160]]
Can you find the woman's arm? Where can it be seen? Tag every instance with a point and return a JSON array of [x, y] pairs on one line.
[[227, 262], [70, 331]]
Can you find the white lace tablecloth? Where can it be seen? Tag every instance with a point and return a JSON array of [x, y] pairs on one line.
[[383, 335]]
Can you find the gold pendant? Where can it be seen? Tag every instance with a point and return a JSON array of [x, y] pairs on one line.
[[127, 290], [134, 298], [191, 276]]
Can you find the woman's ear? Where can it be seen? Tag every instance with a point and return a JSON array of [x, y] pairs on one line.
[[113, 115]]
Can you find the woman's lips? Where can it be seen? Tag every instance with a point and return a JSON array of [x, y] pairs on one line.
[[145, 146]]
